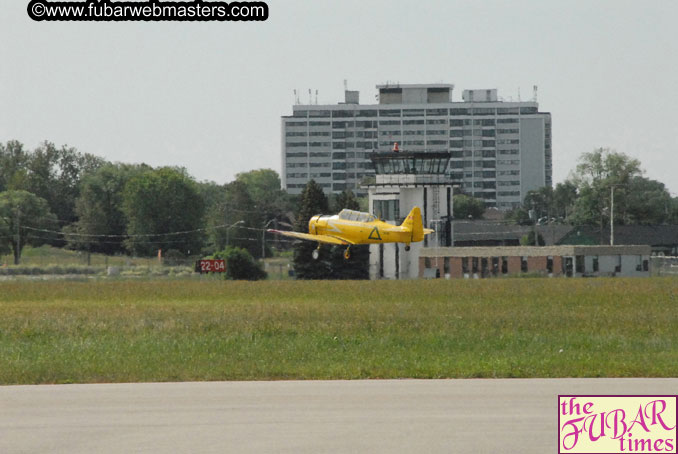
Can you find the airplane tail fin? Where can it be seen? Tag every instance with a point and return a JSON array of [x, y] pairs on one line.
[[414, 224]]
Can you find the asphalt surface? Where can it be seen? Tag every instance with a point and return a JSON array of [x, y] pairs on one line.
[[450, 416]]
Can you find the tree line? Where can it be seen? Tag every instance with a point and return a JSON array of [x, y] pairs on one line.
[[585, 197], [66, 198], [62, 197]]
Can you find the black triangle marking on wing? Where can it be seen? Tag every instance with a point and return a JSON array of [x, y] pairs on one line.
[[374, 234]]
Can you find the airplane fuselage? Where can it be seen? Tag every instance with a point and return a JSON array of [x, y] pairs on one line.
[[359, 232]]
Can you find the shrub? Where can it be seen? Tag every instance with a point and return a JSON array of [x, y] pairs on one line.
[[240, 265]]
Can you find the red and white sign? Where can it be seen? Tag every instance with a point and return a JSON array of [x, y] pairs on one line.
[[211, 266]]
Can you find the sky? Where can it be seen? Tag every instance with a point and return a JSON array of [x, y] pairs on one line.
[[209, 96]]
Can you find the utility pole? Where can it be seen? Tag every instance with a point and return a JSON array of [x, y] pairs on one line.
[[263, 239], [229, 228], [17, 248], [612, 215]]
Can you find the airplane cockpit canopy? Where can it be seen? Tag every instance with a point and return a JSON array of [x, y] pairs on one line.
[[352, 215]]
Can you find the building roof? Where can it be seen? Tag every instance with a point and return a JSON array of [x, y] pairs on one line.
[[399, 85], [654, 235], [483, 231], [534, 251]]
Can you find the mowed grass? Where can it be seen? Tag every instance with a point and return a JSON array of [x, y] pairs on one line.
[[64, 332]]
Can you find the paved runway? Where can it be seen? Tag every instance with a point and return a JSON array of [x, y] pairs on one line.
[[451, 416]]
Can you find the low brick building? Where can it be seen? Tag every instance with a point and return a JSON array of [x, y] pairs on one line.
[[570, 261]]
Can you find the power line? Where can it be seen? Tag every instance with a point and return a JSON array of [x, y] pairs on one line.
[[133, 241], [93, 235]]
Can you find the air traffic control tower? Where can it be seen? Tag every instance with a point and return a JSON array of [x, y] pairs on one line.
[[405, 180]]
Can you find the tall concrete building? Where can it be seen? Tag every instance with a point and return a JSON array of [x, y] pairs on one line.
[[499, 149]]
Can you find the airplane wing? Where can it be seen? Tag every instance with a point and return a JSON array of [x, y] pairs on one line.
[[318, 238]]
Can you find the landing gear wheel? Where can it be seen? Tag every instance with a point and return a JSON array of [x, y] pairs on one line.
[[315, 254], [407, 247], [347, 253]]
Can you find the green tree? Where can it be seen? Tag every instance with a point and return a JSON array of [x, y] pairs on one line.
[[159, 203], [564, 198], [240, 265], [594, 176], [637, 200], [269, 200], [345, 199], [467, 207], [672, 211], [646, 202], [540, 201], [313, 201], [102, 223], [51, 173], [55, 174], [24, 217], [233, 218], [213, 196], [13, 165], [265, 190], [519, 216]]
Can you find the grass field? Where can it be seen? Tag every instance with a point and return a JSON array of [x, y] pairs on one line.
[[47, 255], [48, 260], [62, 332]]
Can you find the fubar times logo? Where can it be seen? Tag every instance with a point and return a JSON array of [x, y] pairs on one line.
[[617, 424]]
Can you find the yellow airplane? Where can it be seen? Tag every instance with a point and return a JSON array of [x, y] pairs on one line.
[[351, 227]]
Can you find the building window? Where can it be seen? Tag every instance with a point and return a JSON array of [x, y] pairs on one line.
[[523, 264], [595, 264], [389, 112], [483, 111], [464, 265], [579, 264], [319, 113], [549, 264], [340, 114], [507, 111], [483, 267], [367, 113], [504, 265], [386, 209]]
